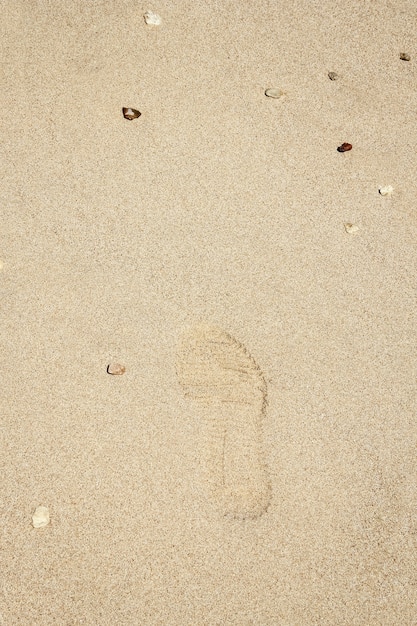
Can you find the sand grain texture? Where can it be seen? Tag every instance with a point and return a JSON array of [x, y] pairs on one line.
[[261, 470]]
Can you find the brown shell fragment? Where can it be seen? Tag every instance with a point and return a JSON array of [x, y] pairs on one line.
[[115, 369], [333, 75], [345, 147], [404, 56], [131, 114]]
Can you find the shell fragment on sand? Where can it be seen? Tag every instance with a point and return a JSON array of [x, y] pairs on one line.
[[345, 147], [351, 228], [115, 369], [333, 75], [404, 56], [152, 18], [274, 92], [131, 114], [40, 518], [386, 191]]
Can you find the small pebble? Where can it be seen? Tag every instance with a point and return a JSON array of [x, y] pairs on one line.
[[351, 228], [405, 57], [40, 518], [333, 75], [131, 114], [274, 93], [345, 147], [115, 369], [386, 191], [152, 18]]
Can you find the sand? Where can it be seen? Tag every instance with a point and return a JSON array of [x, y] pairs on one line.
[[256, 462]]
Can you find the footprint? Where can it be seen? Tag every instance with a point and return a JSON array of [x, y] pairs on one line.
[[219, 374]]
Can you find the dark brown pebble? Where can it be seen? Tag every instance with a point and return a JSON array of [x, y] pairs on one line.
[[333, 75], [344, 147], [131, 114], [404, 56]]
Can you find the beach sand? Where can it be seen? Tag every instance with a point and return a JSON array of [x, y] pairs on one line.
[[256, 463]]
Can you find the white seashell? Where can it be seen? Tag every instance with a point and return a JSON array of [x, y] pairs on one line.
[[273, 92], [386, 191], [152, 18], [351, 228], [116, 369], [40, 518]]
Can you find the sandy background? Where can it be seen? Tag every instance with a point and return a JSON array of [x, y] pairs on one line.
[[218, 205]]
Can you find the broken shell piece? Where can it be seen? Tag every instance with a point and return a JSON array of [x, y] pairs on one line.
[[345, 147], [152, 18], [386, 191], [274, 93], [115, 369], [351, 228], [404, 56], [333, 75], [131, 114], [40, 517]]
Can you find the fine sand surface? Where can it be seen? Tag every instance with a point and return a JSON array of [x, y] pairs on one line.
[[256, 463]]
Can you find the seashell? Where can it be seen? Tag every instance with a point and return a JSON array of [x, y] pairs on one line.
[[115, 369], [386, 191], [404, 56], [152, 18], [273, 92], [333, 75], [351, 228], [131, 114], [40, 518], [345, 147]]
